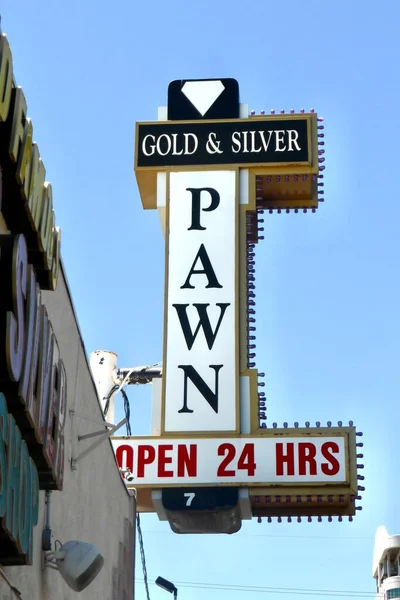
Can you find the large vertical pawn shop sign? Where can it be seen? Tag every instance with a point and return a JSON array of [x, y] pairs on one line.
[[211, 170], [201, 345]]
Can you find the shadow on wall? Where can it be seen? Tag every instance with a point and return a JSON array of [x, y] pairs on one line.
[[123, 573]]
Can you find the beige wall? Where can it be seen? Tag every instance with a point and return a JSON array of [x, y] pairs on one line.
[[94, 505]]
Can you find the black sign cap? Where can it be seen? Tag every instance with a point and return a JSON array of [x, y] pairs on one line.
[[192, 99], [208, 498]]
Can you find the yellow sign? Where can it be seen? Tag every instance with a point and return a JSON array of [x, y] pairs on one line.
[[28, 197], [281, 153], [211, 178], [289, 472]]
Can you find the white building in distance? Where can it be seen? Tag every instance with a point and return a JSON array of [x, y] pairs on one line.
[[386, 564]]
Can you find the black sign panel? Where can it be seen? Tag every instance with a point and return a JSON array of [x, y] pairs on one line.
[[192, 499], [190, 99], [245, 141]]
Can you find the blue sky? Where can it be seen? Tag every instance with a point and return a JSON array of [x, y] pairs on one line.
[[328, 325]]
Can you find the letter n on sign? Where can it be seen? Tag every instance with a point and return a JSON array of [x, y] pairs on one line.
[[200, 374]]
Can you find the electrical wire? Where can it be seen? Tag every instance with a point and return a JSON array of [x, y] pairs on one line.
[[275, 590], [138, 524], [108, 397], [267, 535], [142, 556], [127, 412], [126, 406]]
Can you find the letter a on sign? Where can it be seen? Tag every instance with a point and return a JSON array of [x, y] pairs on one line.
[[200, 374]]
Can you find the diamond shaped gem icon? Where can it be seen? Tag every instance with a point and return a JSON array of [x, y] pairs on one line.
[[203, 94]]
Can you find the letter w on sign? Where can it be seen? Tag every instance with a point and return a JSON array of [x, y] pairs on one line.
[[200, 386], [204, 323]]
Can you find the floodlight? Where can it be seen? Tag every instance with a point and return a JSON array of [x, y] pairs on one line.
[[78, 563]]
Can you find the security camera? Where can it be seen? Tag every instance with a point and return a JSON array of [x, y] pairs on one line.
[[129, 476], [78, 563]]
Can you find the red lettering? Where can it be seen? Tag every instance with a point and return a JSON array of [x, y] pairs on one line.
[[187, 459], [246, 460], [146, 455], [163, 460], [307, 452], [287, 458], [333, 467], [124, 456], [228, 451]]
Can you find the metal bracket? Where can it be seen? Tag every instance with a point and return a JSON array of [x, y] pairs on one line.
[[137, 375], [102, 436], [49, 560]]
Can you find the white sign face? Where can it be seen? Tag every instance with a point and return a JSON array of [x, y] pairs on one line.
[[239, 461], [201, 365]]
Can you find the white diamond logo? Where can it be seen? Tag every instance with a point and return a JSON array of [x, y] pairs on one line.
[[203, 94]]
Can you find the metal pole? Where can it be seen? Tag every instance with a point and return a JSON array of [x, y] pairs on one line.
[[103, 363], [10, 585], [48, 509], [138, 375]]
